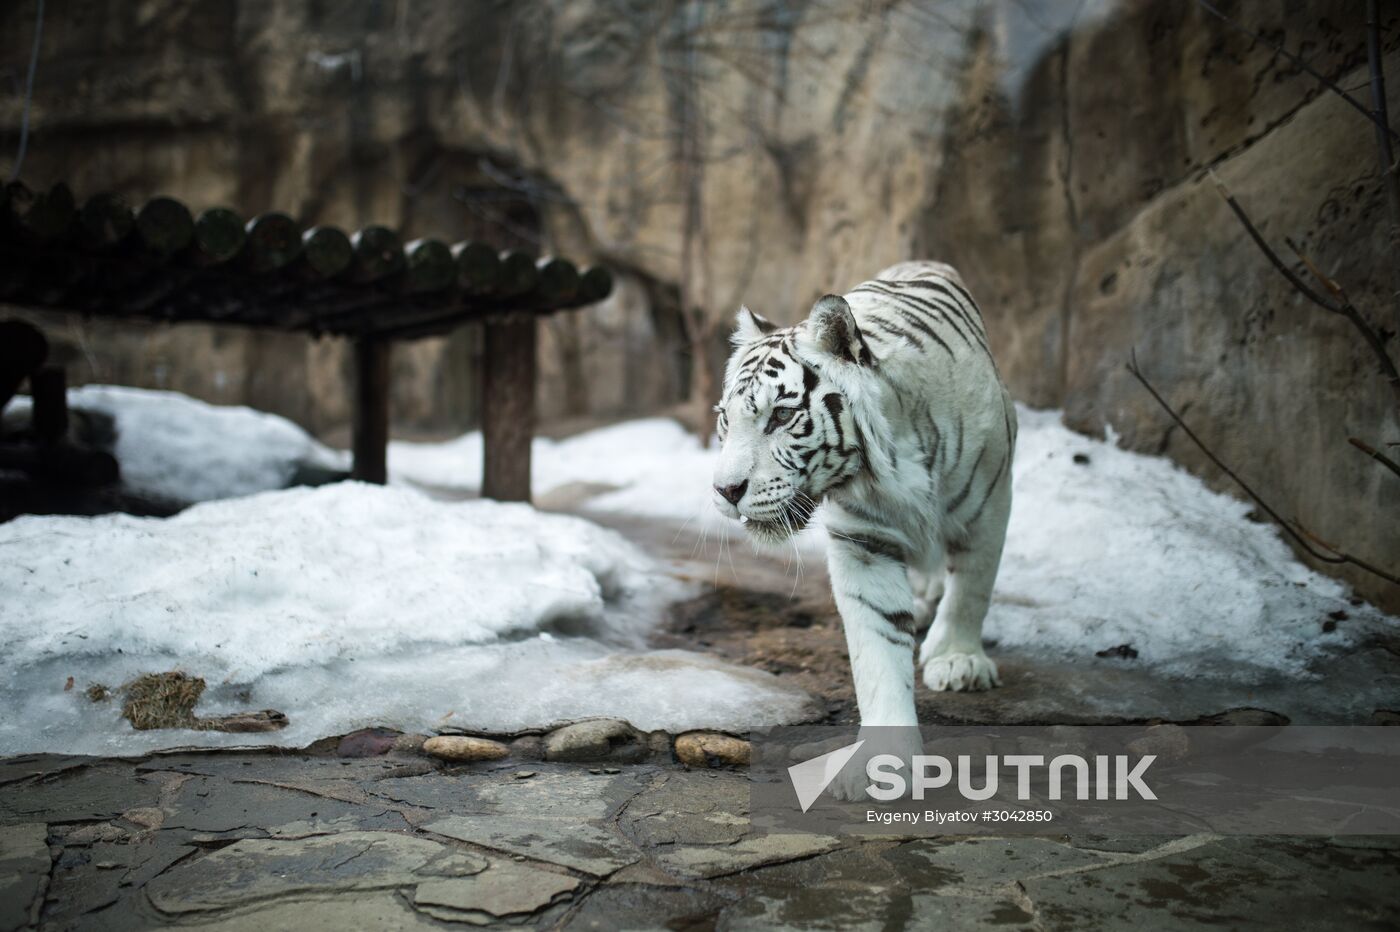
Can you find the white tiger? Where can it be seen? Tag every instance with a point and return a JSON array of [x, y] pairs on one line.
[[886, 407]]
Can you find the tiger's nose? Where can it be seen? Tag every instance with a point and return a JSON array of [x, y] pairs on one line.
[[732, 493]]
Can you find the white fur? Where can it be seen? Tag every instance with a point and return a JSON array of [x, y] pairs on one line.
[[938, 431]]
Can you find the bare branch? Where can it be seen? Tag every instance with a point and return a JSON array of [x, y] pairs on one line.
[[1267, 250], [1375, 454], [1323, 79], [1389, 181], [1337, 304], [1305, 538], [1326, 281]]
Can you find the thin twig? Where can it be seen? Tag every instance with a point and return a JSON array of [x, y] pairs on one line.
[[1375, 454], [1337, 304], [1304, 538], [1326, 281], [1323, 79], [1267, 250], [1389, 182]]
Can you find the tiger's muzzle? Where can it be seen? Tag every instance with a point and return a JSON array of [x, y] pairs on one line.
[[791, 517]]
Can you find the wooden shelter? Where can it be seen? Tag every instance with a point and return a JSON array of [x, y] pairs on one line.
[[161, 262]]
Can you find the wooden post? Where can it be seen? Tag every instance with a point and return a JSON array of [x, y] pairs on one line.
[[370, 430], [49, 389], [508, 408], [23, 350]]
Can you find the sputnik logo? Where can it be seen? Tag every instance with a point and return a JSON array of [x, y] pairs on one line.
[[811, 777]]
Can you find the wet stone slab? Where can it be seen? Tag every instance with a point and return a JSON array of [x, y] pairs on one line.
[[338, 913], [503, 890], [702, 861], [587, 847], [265, 842], [212, 805], [281, 768], [627, 906], [75, 795], [862, 908], [552, 791], [873, 907], [255, 870], [101, 885], [972, 913], [28, 766], [982, 864], [24, 872], [690, 807], [1239, 883]]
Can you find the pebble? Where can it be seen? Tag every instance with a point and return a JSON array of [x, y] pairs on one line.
[[712, 749], [367, 742], [528, 747], [591, 740], [1167, 742], [409, 743], [523, 774], [465, 748]]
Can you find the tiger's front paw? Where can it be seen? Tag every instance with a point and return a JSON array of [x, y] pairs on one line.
[[956, 672], [891, 747], [851, 783]]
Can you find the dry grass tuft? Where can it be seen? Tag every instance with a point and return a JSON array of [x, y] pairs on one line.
[[162, 700]]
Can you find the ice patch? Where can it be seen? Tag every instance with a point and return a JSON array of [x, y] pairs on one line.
[[344, 606]]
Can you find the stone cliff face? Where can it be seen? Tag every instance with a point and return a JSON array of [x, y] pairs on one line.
[[767, 151]]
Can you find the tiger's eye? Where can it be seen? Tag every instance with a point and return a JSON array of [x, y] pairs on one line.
[[781, 416]]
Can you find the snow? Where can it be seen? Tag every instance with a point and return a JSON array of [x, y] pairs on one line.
[[174, 447], [1132, 549], [1125, 549], [654, 464], [352, 605], [345, 606]]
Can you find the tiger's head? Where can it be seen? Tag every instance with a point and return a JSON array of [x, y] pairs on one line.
[[788, 428]]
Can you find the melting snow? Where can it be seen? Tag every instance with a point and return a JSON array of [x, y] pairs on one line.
[[353, 605], [345, 606], [175, 447], [1121, 549]]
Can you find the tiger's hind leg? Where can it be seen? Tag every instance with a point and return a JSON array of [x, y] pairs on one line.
[[951, 655]]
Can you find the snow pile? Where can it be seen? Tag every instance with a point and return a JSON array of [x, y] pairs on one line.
[[658, 467], [174, 447], [345, 606], [1124, 549], [1131, 549], [353, 605]]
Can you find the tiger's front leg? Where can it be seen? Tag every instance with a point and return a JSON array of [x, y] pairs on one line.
[[870, 582]]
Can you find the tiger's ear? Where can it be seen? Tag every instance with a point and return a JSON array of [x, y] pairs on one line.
[[833, 328], [750, 326]]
